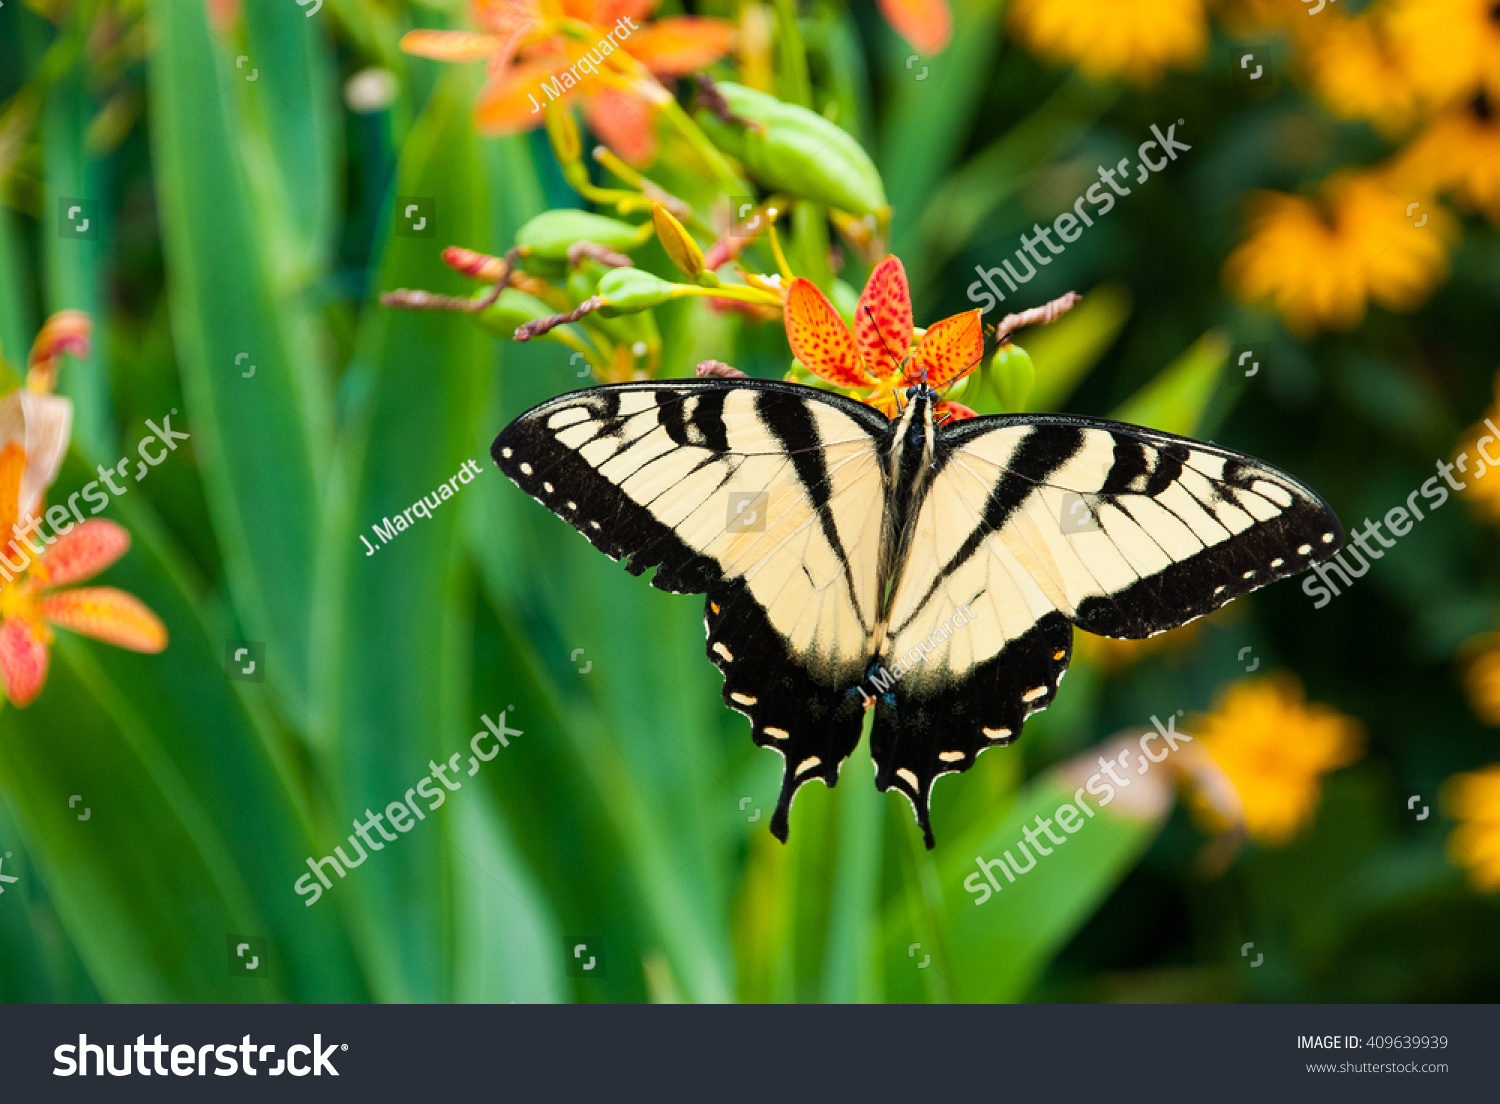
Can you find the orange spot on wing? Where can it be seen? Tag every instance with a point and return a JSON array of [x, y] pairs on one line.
[[887, 297], [819, 338], [950, 349]]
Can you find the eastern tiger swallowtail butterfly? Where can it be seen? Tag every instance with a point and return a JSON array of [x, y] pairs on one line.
[[930, 572]]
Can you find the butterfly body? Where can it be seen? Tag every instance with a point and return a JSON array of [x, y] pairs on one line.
[[930, 572]]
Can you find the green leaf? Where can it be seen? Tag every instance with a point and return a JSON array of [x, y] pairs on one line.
[[193, 833], [292, 109], [1066, 350], [1177, 399], [962, 202], [995, 950], [261, 441], [927, 120], [75, 274], [395, 676], [16, 326]]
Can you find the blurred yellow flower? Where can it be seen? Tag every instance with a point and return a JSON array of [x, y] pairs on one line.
[[1133, 39], [1482, 682], [1274, 747], [1355, 69], [1320, 261], [1458, 153], [1474, 800], [1252, 18], [1481, 489], [1451, 47]]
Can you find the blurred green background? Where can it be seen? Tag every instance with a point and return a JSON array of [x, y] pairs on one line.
[[257, 217]]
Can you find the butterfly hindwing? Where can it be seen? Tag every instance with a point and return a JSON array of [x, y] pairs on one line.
[[767, 496]]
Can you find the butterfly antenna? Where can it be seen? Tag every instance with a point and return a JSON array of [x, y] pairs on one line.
[[900, 364]]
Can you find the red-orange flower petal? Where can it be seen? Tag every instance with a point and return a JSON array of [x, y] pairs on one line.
[[12, 467], [23, 661], [949, 411], [83, 551], [674, 47], [950, 349], [106, 614], [623, 123], [885, 341], [506, 16], [509, 103], [607, 12], [819, 338], [451, 45], [926, 24]]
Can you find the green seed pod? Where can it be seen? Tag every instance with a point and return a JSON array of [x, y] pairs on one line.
[[549, 234], [793, 149], [630, 289], [1014, 376]]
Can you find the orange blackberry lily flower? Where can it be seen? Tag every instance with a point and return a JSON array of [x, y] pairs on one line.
[[878, 356], [596, 49], [30, 602], [34, 430]]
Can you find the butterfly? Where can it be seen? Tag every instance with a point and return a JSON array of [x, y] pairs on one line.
[[930, 571]]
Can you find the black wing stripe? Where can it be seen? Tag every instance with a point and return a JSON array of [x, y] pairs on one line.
[[1041, 453]]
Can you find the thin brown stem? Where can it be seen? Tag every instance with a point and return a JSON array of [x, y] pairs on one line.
[[1047, 312], [537, 328], [416, 299]]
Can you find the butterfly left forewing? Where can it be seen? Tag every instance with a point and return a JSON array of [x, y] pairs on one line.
[[766, 496]]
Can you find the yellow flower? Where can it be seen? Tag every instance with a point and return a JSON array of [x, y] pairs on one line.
[[1133, 39], [1320, 261], [1481, 483], [1482, 681], [1474, 800], [1451, 47], [1358, 71], [1275, 747], [1459, 153]]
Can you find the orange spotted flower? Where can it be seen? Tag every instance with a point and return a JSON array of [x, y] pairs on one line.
[[878, 356], [38, 558], [539, 50]]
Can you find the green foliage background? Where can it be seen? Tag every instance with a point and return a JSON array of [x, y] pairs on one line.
[[256, 217]]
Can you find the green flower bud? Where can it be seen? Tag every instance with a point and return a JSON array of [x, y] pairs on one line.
[[551, 232], [1014, 376], [630, 289], [790, 148]]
